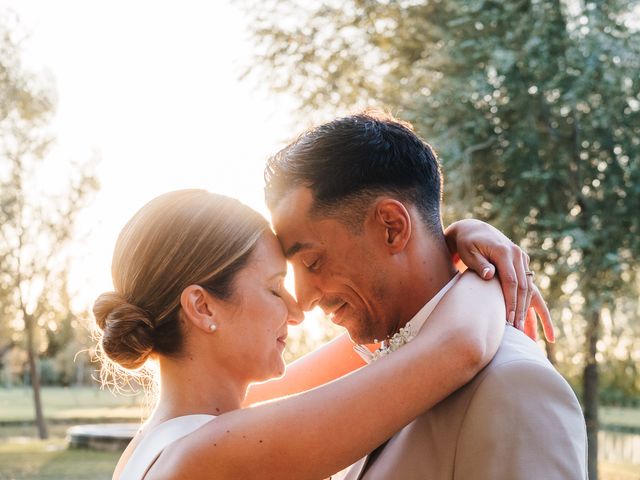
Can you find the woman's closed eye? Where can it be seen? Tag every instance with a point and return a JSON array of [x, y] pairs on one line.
[[278, 289]]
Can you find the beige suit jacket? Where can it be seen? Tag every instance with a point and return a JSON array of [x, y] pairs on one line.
[[517, 419]]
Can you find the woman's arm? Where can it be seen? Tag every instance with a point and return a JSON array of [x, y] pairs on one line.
[[316, 433]]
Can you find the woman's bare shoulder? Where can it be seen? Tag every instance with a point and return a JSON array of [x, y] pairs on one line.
[[183, 458], [471, 280], [470, 288], [124, 458]]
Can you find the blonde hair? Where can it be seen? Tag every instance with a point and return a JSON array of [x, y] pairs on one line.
[[178, 239]]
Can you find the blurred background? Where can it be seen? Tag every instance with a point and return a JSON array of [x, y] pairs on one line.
[[532, 105]]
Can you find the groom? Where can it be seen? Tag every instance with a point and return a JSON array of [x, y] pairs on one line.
[[330, 192]]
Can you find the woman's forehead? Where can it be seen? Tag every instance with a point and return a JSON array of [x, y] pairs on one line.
[[269, 253]]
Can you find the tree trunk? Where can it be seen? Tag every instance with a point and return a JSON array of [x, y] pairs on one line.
[[35, 377], [590, 394]]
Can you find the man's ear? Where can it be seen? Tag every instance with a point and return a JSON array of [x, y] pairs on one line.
[[395, 221], [198, 308]]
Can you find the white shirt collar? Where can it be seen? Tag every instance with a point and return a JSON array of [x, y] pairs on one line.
[[419, 319], [413, 326]]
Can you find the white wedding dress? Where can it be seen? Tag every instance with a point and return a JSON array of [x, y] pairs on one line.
[[156, 440]]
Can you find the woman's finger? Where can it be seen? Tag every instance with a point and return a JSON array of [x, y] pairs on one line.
[[508, 278], [477, 262], [540, 306], [531, 324], [522, 286], [530, 287]]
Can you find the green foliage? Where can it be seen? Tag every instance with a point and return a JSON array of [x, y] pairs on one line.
[[534, 107], [36, 223], [49, 460]]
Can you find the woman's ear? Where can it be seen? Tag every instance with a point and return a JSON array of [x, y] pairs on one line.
[[395, 221], [198, 308]]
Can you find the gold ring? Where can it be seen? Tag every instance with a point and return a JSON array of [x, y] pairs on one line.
[[529, 273]]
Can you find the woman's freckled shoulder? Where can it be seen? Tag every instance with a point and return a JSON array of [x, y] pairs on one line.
[[470, 282], [469, 279]]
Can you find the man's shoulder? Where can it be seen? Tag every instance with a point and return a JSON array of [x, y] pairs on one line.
[[517, 347], [519, 385], [518, 374], [519, 402], [519, 360]]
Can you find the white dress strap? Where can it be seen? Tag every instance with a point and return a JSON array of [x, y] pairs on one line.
[[156, 440]]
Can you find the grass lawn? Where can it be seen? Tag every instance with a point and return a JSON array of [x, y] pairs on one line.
[[68, 404], [51, 460]]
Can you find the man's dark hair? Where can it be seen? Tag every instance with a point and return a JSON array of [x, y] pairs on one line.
[[350, 161]]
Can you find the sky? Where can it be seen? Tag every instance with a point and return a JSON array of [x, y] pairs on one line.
[[152, 89]]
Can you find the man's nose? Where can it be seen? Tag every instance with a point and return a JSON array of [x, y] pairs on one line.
[[295, 313], [307, 293]]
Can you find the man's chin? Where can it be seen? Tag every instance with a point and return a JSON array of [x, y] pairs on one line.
[[358, 337]]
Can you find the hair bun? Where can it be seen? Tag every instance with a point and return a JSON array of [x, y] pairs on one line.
[[127, 330]]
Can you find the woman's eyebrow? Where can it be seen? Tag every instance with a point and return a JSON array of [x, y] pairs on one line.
[[279, 274]]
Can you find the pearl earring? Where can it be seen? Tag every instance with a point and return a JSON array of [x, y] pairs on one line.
[[212, 327]]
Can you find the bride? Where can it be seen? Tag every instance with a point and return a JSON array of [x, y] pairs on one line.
[[199, 289]]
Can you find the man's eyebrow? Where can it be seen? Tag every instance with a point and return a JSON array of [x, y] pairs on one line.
[[295, 248]]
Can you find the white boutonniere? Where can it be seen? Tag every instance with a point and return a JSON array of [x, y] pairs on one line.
[[402, 337], [391, 344]]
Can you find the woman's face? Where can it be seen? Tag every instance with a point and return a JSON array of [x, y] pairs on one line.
[[254, 320]]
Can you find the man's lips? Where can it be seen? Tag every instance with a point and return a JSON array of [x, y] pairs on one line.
[[336, 315]]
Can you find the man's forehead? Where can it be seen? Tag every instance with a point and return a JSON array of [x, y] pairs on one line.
[[292, 211]]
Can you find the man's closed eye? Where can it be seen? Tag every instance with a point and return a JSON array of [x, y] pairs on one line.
[[312, 265]]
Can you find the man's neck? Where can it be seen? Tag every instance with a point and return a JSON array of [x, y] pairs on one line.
[[428, 271]]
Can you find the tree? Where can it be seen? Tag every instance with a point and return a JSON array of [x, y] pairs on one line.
[[36, 227], [534, 106]]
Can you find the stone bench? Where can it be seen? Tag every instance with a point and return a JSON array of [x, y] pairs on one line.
[[110, 437]]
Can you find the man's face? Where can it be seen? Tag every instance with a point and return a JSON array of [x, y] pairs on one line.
[[335, 269]]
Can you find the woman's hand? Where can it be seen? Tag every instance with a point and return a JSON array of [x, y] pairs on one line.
[[485, 250]]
